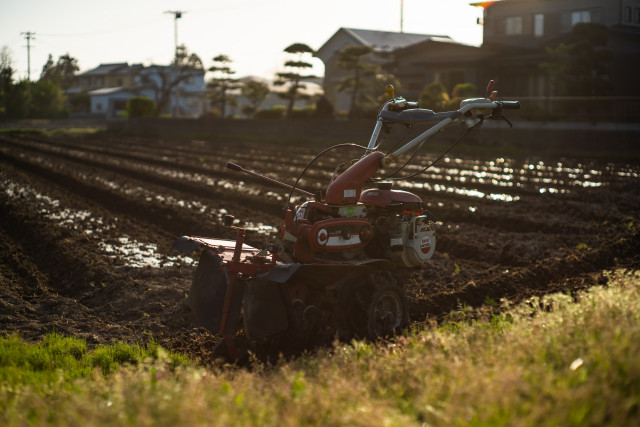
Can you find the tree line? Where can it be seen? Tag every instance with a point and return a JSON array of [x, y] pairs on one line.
[[44, 98]]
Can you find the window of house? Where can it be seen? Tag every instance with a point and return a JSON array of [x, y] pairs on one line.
[[538, 24], [637, 15], [569, 19], [99, 106], [580, 16], [627, 14], [514, 25]]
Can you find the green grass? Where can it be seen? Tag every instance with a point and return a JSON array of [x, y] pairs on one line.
[[36, 131], [555, 360], [62, 360], [75, 131], [11, 131]]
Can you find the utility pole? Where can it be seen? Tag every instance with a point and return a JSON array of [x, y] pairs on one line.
[[29, 35], [402, 16], [177, 14]]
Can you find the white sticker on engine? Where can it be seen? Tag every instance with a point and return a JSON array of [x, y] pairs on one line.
[[350, 193]]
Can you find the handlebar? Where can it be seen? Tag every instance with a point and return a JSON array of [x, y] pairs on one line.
[[471, 112], [510, 105], [417, 115]]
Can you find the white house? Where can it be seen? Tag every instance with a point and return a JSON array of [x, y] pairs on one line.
[[111, 101], [178, 92], [183, 92]]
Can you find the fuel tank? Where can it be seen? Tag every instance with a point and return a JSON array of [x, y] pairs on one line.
[[384, 196]]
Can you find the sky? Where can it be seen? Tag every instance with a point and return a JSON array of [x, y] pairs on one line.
[[253, 33]]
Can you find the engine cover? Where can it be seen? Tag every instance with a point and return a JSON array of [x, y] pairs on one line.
[[385, 197], [419, 241]]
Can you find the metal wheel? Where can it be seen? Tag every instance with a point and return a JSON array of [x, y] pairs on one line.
[[221, 351], [357, 312], [387, 312]]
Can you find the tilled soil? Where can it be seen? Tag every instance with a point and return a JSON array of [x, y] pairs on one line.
[[88, 221]]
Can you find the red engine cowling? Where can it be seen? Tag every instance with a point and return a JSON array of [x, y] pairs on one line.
[[346, 189]]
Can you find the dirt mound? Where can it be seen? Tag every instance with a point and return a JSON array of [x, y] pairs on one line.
[[88, 222]]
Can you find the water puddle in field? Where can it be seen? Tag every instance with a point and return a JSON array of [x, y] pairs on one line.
[[459, 191], [210, 181], [136, 254], [458, 177], [216, 215], [128, 251]]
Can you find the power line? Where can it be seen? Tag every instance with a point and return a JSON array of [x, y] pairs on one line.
[[29, 35]]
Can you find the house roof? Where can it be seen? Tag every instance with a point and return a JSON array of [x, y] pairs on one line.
[[388, 40], [115, 68], [434, 41], [154, 68], [381, 41]]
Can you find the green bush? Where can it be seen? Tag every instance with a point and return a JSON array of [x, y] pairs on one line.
[[303, 112], [140, 106], [464, 90], [47, 100], [275, 112], [434, 96]]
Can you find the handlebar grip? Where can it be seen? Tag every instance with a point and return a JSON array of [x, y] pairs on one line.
[[234, 167], [511, 105]]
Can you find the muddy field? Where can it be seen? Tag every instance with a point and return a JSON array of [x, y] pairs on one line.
[[87, 225]]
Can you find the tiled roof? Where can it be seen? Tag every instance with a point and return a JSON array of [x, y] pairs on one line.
[[388, 40], [116, 68]]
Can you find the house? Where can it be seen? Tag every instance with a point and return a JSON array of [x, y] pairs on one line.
[[111, 101], [384, 44], [177, 91], [516, 35], [434, 60], [107, 75], [517, 32]]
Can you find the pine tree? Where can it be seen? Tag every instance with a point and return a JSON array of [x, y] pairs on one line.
[[294, 76]]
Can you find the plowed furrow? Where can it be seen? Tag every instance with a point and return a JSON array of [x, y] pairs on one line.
[[203, 189], [167, 218]]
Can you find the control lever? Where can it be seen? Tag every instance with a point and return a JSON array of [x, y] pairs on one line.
[[489, 90]]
